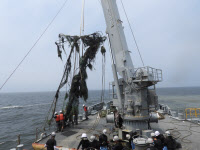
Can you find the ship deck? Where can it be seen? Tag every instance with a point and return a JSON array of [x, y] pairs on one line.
[[187, 133], [71, 136]]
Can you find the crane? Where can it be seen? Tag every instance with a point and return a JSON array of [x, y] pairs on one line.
[[135, 88]]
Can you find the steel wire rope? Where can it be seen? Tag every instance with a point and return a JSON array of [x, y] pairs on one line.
[[132, 32], [183, 139], [63, 5], [103, 77]]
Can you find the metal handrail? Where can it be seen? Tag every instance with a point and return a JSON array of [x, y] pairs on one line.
[[193, 112]]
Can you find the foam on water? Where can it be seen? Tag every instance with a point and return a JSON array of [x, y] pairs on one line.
[[13, 107]]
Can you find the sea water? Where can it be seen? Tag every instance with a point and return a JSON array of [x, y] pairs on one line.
[[22, 113]]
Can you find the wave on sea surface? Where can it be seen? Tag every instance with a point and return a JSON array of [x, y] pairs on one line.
[[13, 107]]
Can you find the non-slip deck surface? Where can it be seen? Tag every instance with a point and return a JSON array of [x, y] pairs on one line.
[[187, 133]]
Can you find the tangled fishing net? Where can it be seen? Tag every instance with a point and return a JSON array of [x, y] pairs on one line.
[[78, 88]]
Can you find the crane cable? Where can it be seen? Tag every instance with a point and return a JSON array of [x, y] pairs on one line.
[[63, 5], [82, 26], [132, 32]]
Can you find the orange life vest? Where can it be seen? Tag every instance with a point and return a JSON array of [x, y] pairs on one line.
[[57, 117], [85, 108], [61, 117]]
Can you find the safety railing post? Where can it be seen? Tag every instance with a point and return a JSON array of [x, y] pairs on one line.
[[36, 135], [18, 139]]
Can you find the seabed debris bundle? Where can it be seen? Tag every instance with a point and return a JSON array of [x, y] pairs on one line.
[[78, 88]]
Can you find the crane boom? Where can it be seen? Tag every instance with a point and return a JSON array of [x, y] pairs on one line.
[[122, 59], [134, 97]]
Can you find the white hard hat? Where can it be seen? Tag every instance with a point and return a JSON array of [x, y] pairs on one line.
[[152, 134], [150, 140], [157, 133], [83, 105], [116, 138], [61, 111], [167, 133], [53, 134], [92, 138], [104, 131], [56, 113], [128, 136], [84, 135]]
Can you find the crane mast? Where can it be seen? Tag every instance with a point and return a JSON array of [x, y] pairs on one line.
[[133, 96]]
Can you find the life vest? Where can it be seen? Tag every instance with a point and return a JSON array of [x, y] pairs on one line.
[[61, 117], [85, 108], [57, 117]]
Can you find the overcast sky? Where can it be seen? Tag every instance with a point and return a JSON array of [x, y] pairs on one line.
[[167, 32]]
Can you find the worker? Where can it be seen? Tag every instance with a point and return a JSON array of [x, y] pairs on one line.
[[103, 140], [120, 121], [94, 144], [86, 111], [160, 136], [57, 118], [62, 121], [151, 144], [118, 145], [130, 144], [51, 143], [84, 142], [157, 143], [170, 142]]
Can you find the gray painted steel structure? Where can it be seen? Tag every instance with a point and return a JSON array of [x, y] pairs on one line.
[[133, 94]]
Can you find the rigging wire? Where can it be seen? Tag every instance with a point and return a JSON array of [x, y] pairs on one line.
[[63, 5], [103, 77], [82, 26], [132, 32]]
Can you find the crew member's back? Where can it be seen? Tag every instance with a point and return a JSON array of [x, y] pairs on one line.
[[118, 145], [170, 142], [94, 143], [84, 142], [103, 139], [51, 143]]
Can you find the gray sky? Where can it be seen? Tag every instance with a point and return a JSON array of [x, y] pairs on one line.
[[167, 32]]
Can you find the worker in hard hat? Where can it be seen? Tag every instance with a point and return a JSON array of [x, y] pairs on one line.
[[103, 139], [62, 121], [57, 119], [157, 142], [118, 145], [120, 121], [151, 144], [84, 143], [94, 144], [51, 143], [86, 111], [130, 143], [160, 136], [170, 142]]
